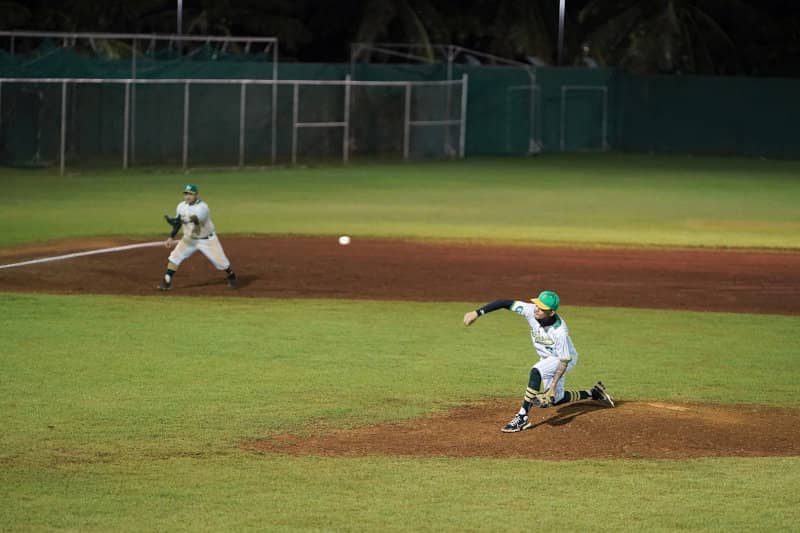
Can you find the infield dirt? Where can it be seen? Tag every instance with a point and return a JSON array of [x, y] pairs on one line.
[[737, 281], [318, 267]]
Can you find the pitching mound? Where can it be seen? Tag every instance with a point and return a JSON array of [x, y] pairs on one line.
[[652, 430], [318, 267]]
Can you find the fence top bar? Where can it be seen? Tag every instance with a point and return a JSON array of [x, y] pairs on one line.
[[146, 81], [394, 53], [587, 87], [137, 36], [385, 48]]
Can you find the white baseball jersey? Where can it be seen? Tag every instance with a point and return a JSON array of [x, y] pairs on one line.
[[549, 341], [202, 230]]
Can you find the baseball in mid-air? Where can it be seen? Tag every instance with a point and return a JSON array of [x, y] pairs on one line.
[[344, 240]]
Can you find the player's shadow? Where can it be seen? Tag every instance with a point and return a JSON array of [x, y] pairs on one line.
[[567, 413], [245, 280], [241, 282]]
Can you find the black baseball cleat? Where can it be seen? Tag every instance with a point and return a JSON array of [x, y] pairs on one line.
[[232, 281], [164, 285], [518, 423], [600, 394]]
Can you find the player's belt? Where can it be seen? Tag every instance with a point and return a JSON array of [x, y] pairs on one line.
[[204, 238]]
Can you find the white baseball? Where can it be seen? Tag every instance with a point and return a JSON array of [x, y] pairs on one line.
[[344, 240]]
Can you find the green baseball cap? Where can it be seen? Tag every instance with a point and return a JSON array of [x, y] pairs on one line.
[[192, 188], [547, 300]]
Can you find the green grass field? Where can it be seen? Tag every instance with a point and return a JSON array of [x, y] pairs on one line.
[[628, 200], [126, 413]]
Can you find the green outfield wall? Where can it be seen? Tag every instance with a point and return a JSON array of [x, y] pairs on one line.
[[510, 110]]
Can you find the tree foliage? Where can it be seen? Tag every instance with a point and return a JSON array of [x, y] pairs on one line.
[[753, 37]]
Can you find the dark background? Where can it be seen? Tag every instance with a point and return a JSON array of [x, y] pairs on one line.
[[711, 37]]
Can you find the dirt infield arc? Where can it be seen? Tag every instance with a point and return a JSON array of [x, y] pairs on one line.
[[704, 280], [280, 267]]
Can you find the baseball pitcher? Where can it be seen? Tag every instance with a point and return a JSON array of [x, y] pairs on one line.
[[194, 218], [557, 356]]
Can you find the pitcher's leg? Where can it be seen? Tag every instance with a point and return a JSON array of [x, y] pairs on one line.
[[182, 251], [547, 368], [212, 249]]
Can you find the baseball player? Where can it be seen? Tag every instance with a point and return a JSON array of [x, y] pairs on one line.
[[193, 215], [557, 356]]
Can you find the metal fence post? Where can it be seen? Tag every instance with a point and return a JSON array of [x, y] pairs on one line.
[[62, 149], [407, 122], [242, 100], [185, 125], [462, 132], [274, 133], [563, 117], [346, 134], [605, 118], [126, 124], [449, 104], [295, 97], [133, 103]]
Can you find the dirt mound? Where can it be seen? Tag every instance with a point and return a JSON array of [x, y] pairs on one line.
[[652, 430], [705, 280]]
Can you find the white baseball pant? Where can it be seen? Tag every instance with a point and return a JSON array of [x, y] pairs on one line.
[[210, 247], [547, 369]]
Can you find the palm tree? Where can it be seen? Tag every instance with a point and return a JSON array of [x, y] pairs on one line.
[[666, 36], [15, 15], [402, 21], [521, 28]]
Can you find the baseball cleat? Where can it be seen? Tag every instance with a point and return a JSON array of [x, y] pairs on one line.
[[518, 423], [164, 285], [232, 282], [600, 394]]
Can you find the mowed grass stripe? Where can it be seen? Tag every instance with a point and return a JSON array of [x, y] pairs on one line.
[[590, 199], [274, 493]]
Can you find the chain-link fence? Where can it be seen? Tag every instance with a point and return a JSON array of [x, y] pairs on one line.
[[215, 122]]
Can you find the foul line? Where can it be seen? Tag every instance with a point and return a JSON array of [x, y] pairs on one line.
[[81, 254]]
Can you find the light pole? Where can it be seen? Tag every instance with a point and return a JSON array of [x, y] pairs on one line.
[[180, 17], [561, 8]]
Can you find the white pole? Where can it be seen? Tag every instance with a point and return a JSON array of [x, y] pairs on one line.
[[242, 100], [133, 104], [532, 120], [463, 130], [126, 121], [295, 97], [180, 17], [563, 117], [185, 125], [274, 101], [346, 140], [561, 9], [407, 123], [605, 118], [449, 104], [62, 163]]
